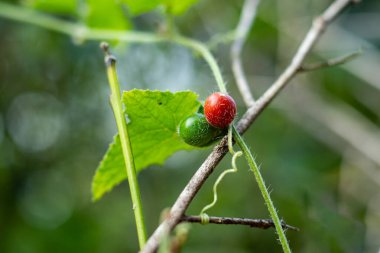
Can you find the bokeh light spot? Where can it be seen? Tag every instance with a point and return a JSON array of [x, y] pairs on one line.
[[35, 121], [47, 199]]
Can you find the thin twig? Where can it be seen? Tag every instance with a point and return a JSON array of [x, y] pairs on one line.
[[330, 63], [254, 223], [246, 21], [200, 176], [315, 32]]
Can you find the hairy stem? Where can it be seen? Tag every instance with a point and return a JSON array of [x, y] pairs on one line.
[[263, 189], [121, 123]]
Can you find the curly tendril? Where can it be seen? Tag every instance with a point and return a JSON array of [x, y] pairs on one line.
[[235, 155]]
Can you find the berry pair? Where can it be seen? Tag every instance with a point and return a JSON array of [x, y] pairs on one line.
[[200, 129]]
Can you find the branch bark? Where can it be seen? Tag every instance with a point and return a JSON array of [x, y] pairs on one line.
[[200, 176], [254, 223], [330, 62], [246, 21]]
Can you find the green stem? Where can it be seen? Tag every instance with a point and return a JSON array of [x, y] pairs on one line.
[[80, 33], [206, 54], [77, 31], [222, 38], [169, 22], [126, 148], [260, 181]]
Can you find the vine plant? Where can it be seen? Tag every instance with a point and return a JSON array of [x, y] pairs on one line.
[[171, 111]]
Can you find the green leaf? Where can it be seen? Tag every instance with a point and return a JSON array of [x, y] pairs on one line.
[[65, 7], [106, 14], [153, 117], [111, 170]]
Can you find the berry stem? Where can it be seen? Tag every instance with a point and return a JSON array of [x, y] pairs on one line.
[[121, 123], [263, 189], [207, 56]]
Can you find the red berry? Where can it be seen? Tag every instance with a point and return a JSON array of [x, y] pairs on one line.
[[220, 110]]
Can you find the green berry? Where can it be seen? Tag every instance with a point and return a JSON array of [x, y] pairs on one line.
[[196, 131], [201, 109]]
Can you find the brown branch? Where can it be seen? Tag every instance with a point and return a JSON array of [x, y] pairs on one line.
[[315, 32], [330, 63], [254, 223], [246, 20], [200, 176]]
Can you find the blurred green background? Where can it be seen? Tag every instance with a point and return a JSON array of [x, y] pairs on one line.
[[318, 144]]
